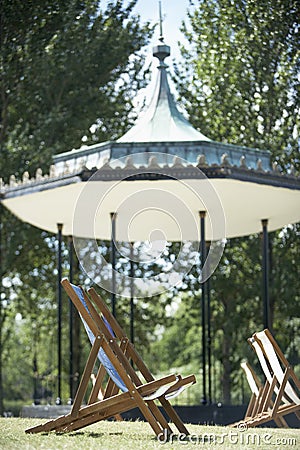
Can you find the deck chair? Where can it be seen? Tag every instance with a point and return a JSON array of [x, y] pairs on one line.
[[281, 393], [126, 387], [256, 390], [100, 396], [258, 394], [132, 353]]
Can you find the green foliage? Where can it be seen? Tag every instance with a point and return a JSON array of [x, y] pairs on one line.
[[69, 72], [240, 80], [65, 66]]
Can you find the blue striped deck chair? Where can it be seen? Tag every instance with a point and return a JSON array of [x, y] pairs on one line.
[[128, 385]]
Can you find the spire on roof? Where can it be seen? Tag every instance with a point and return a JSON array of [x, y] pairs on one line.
[[161, 51], [162, 121], [161, 36]]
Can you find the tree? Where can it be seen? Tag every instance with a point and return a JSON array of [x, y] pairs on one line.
[[64, 67], [239, 82], [69, 71], [234, 288], [242, 68]]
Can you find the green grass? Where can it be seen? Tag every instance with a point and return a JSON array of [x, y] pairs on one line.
[[138, 435]]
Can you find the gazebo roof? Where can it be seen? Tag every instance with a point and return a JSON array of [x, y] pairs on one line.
[[162, 121], [162, 128], [162, 147]]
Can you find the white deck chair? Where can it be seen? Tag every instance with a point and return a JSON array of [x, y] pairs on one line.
[[258, 394], [256, 390], [282, 388]]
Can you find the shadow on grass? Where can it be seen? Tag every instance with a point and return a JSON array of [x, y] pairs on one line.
[[90, 434]]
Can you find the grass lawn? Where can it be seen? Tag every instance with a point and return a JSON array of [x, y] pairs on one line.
[[138, 435]]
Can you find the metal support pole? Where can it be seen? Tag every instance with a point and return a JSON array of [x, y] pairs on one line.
[[265, 270], [71, 322], [59, 310], [208, 332], [113, 262], [203, 287], [131, 294]]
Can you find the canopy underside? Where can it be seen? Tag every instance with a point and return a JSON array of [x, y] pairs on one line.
[[164, 209]]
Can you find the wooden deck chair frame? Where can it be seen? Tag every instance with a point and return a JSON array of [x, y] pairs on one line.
[[119, 352], [280, 395], [134, 356], [256, 390], [257, 399], [100, 395]]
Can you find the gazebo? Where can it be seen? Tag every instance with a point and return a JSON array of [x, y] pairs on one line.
[[159, 182]]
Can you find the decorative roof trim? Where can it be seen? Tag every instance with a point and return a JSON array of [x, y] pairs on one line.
[[151, 171]]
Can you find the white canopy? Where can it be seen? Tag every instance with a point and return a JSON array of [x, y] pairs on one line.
[[164, 208]]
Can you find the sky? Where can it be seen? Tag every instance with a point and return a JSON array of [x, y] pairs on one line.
[[173, 12]]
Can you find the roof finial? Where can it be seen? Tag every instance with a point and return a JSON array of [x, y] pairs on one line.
[[161, 36], [161, 51]]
